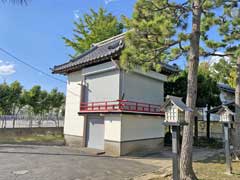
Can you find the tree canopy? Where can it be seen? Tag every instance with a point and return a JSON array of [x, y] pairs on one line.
[[160, 32], [92, 28], [13, 98], [208, 92], [224, 71]]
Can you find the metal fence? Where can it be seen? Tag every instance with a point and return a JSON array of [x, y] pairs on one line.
[[23, 121]]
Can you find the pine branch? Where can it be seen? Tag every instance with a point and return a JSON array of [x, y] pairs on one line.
[[166, 46], [205, 54], [203, 1], [172, 6]]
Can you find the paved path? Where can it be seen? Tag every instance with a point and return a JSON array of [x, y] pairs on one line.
[[19, 162], [22, 162]]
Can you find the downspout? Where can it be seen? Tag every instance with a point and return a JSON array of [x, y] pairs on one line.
[[115, 63], [121, 96], [82, 100]]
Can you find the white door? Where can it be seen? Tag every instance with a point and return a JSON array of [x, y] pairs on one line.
[[95, 132]]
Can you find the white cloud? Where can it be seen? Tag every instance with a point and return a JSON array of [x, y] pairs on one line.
[[216, 59], [76, 14], [6, 68], [108, 1]]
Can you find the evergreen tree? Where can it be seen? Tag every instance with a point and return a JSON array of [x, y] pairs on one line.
[[92, 28], [208, 93], [229, 22], [224, 71], [163, 31]]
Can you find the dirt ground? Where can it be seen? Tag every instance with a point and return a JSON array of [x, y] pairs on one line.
[[29, 162]]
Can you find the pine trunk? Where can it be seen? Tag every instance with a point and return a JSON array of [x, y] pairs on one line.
[[236, 141], [186, 169]]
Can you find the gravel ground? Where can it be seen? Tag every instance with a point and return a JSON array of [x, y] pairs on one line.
[[28, 162]]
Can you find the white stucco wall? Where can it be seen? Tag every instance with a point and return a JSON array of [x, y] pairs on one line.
[[103, 86], [141, 88], [112, 127], [73, 124], [141, 127]]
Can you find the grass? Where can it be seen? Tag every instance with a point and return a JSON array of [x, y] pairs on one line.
[[214, 168], [33, 138], [211, 143]]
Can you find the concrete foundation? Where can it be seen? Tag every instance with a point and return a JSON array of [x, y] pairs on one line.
[[133, 147], [141, 146], [74, 141], [112, 148]]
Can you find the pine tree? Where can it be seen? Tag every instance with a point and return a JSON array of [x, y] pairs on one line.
[[163, 31]]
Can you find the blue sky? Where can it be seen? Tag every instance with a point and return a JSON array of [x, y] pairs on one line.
[[33, 33]]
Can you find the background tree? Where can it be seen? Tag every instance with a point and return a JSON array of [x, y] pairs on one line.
[[224, 71], [92, 28], [34, 98], [229, 22], [11, 99], [57, 100], [10, 102], [14, 99], [5, 99], [164, 31], [208, 93]]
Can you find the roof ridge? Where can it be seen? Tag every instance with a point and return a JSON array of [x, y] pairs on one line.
[[109, 39]]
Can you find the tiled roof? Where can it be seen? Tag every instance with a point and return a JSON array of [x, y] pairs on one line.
[[178, 102], [230, 105], [229, 109], [99, 53], [226, 88]]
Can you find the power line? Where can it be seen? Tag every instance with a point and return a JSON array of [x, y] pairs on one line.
[[35, 68], [30, 66]]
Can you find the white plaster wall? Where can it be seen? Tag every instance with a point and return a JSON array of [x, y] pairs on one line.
[[137, 87], [141, 127], [73, 124], [99, 68], [112, 127], [103, 86]]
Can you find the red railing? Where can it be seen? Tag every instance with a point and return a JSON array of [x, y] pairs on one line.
[[120, 106]]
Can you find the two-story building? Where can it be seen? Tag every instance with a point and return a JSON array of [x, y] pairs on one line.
[[111, 109]]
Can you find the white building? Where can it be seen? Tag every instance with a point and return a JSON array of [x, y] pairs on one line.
[[110, 109]]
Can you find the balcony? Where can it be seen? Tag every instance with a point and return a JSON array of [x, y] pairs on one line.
[[120, 106]]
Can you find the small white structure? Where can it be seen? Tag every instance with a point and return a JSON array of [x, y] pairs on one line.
[[226, 114], [110, 109], [175, 110]]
